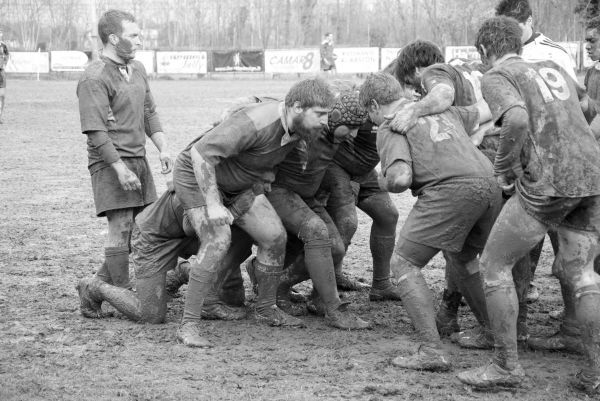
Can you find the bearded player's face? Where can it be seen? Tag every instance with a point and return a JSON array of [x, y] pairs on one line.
[[310, 122], [129, 40]]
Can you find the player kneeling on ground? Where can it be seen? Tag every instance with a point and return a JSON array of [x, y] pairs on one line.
[[458, 200]]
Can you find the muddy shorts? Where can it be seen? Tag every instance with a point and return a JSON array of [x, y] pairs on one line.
[[449, 215], [161, 234], [108, 194], [2, 78], [576, 213], [341, 189]]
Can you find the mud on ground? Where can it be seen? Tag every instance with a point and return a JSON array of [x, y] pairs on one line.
[[49, 239]]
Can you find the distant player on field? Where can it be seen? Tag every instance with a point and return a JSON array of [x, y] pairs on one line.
[[4, 55]]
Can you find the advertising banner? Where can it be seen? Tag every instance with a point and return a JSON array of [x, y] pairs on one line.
[[388, 54], [466, 52], [146, 57], [292, 61], [238, 61], [190, 62], [352, 60], [68, 60], [28, 62]]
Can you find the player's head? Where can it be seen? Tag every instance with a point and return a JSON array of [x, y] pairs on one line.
[[413, 58], [497, 37], [519, 10], [328, 36], [592, 39], [346, 116], [379, 90], [119, 29], [309, 102]]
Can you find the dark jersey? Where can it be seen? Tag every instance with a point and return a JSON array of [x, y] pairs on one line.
[[3, 55], [592, 81], [462, 75], [303, 175], [245, 148], [437, 148], [125, 109], [560, 156], [359, 155]]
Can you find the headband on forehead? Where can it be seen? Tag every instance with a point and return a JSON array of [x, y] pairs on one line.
[[346, 111]]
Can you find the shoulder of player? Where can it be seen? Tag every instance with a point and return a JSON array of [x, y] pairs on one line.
[[542, 40], [136, 64], [261, 115], [93, 71]]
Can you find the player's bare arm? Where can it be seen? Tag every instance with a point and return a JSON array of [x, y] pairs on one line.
[[216, 213], [166, 162], [397, 178], [513, 133], [439, 99]]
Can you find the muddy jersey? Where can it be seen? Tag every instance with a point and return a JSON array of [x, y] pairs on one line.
[[302, 173], [462, 75], [359, 155], [437, 148], [245, 148], [560, 156], [592, 81]]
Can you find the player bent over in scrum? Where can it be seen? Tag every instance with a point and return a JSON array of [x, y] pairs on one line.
[[548, 153], [458, 200]]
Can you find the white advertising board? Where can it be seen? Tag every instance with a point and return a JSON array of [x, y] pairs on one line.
[[70, 60], [191, 62], [466, 52], [352, 60], [388, 54], [28, 62], [146, 57], [292, 61]]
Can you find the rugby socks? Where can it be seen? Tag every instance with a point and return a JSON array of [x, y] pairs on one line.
[[382, 247], [522, 274], [267, 279], [472, 290], [117, 264], [418, 302], [232, 291], [319, 263], [587, 304], [103, 274], [294, 274], [200, 284], [502, 306]]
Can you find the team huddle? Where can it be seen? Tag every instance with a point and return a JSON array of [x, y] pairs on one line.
[[498, 153]]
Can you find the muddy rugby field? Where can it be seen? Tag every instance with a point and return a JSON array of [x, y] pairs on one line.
[[50, 238]]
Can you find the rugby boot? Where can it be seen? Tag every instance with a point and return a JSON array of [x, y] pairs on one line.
[[342, 318], [297, 297], [492, 376], [267, 283], [347, 283], [221, 311], [188, 334], [565, 340], [557, 314], [285, 303], [476, 338], [588, 384], [389, 293], [446, 319], [90, 306], [428, 357], [177, 277]]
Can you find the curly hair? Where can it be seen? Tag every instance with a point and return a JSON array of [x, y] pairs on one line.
[[499, 36], [111, 22], [517, 9], [420, 53], [310, 93]]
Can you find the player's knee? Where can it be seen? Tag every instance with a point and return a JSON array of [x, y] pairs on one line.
[[338, 250], [275, 241], [402, 267], [313, 229]]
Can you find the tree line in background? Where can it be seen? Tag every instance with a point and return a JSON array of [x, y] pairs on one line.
[[236, 24]]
